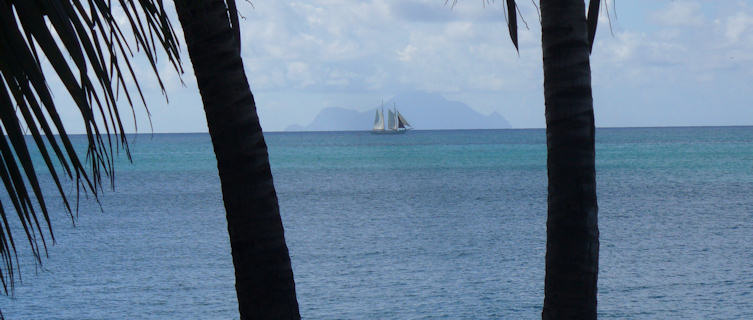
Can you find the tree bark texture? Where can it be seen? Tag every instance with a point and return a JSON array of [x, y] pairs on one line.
[[572, 247], [263, 273]]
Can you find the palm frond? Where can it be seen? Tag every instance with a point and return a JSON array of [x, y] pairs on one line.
[[81, 43], [512, 22], [591, 21], [511, 16], [512, 11]]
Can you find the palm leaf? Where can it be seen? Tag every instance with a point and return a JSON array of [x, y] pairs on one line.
[[511, 16], [90, 55], [592, 20], [512, 22]]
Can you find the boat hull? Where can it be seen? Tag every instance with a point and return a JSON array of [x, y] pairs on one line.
[[388, 131]]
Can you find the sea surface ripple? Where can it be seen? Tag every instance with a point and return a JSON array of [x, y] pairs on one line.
[[426, 225]]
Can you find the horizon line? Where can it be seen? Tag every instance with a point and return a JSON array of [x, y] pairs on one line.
[[477, 129]]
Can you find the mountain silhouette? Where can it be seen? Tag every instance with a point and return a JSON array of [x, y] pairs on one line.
[[424, 111]]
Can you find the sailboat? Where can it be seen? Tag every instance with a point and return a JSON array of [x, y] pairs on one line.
[[396, 123]]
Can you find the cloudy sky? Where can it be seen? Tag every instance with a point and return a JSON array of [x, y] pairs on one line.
[[664, 63]]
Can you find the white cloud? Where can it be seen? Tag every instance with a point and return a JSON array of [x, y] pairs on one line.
[[377, 79], [680, 14], [622, 47], [300, 74], [406, 54], [737, 25], [420, 43]]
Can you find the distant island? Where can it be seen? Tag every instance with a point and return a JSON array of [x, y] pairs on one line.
[[425, 111]]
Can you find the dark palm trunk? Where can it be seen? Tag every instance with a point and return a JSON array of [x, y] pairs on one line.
[[263, 275], [572, 247]]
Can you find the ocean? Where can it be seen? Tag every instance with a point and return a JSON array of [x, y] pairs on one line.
[[426, 225]]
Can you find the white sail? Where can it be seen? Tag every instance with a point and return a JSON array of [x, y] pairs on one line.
[[379, 121], [401, 122], [391, 123], [396, 123]]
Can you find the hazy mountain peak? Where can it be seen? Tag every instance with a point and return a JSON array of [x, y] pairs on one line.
[[425, 111]]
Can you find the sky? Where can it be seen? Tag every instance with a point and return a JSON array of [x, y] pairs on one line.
[[654, 62]]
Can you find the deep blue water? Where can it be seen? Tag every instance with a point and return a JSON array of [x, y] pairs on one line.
[[427, 225]]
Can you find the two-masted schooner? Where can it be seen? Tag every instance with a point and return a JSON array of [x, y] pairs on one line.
[[396, 123]]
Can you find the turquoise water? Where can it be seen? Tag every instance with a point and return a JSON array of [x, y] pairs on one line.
[[427, 225]]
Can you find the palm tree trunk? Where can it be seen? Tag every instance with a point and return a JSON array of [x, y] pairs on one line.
[[572, 247], [263, 274]]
